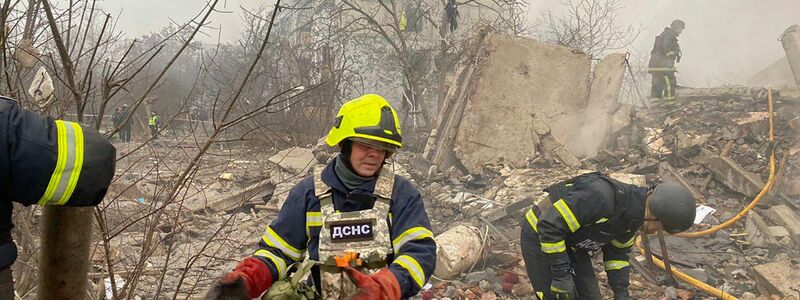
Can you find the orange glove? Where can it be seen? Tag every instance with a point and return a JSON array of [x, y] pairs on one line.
[[382, 285], [250, 279]]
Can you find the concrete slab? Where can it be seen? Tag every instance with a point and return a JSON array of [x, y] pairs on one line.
[[603, 97], [295, 159], [778, 278], [734, 176], [514, 82], [759, 234], [791, 45], [786, 217]]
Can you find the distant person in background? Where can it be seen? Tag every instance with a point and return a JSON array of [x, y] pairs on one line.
[[116, 118], [153, 123], [125, 132], [666, 52]]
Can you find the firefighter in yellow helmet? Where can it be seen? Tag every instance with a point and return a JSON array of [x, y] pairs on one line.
[[354, 203]]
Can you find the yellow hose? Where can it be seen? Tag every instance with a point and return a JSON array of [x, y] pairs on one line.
[[688, 279], [764, 190]]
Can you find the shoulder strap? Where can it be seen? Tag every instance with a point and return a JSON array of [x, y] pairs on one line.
[[320, 188]]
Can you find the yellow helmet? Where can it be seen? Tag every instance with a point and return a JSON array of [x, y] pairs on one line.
[[368, 119]]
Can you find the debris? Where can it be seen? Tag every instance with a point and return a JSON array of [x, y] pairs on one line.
[[502, 212], [628, 178], [727, 171], [26, 54], [295, 159], [457, 250], [226, 176], [41, 88], [778, 278], [669, 174], [477, 125], [784, 216], [702, 212], [778, 232], [245, 196], [791, 45], [758, 231]]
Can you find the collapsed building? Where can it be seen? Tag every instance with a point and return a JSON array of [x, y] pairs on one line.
[[519, 116]]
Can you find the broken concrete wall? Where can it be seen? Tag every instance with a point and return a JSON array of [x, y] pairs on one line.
[[507, 88], [603, 96], [515, 82], [777, 75], [791, 44]]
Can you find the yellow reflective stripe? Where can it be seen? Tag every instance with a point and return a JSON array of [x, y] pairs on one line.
[[567, 214], [669, 87], [556, 247], [532, 219], [619, 244], [279, 263], [69, 162], [76, 171], [413, 268], [663, 69], [313, 218], [540, 294], [412, 234], [272, 239], [602, 220], [613, 265]]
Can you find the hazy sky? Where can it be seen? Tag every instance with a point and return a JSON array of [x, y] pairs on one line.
[[725, 41]]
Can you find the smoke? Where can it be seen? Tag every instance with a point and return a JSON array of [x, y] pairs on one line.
[[725, 42]]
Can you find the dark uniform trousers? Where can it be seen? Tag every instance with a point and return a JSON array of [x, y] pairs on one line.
[[663, 85], [538, 266]]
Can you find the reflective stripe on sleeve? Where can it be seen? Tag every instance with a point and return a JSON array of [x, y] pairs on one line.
[[272, 239], [279, 263], [412, 266], [556, 247], [567, 214], [68, 164], [532, 220], [414, 233], [313, 219]]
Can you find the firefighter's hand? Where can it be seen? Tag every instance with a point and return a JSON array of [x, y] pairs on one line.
[[382, 285], [563, 287], [249, 280]]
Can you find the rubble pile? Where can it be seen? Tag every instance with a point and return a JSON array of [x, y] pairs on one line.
[[506, 131]]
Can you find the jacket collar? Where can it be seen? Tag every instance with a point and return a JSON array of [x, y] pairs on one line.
[[330, 178]]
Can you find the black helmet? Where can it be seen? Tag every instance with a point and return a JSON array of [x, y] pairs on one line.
[[674, 206], [678, 23]]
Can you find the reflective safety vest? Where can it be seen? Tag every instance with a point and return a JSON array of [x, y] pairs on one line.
[[365, 232], [153, 121]]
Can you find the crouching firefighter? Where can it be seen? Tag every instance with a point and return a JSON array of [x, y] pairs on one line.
[[592, 213], [364, 228], [46, 162]]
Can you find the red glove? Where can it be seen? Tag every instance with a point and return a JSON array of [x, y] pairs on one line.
[[382, 285], [250, 279]]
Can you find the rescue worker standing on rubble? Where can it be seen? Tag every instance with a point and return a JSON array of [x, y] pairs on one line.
[[592, 213], [354, 204], [46, 162], [666, 52]]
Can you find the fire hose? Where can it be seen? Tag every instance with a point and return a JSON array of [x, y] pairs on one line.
[[764, 190]]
